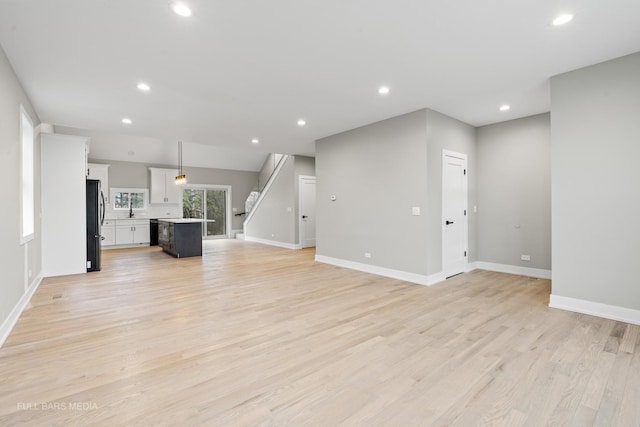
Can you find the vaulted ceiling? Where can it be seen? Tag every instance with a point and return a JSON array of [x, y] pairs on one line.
[[244, 69]]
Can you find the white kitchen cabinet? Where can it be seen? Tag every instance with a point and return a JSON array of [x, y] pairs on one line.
[[163, 187], [109, 232], [132, 231], [100, 172], [141, 232]]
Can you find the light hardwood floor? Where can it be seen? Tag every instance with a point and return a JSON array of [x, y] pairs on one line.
[[256, 335]]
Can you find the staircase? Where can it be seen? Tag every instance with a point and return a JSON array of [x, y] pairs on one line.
[[254, 200]]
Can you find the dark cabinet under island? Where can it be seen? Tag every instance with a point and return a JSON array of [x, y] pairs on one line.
[[180, 237]]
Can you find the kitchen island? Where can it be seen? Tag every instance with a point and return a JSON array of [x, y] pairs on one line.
[[180, 237]]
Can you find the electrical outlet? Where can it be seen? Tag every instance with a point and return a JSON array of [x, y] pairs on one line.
[[367, 255], [525, 257]]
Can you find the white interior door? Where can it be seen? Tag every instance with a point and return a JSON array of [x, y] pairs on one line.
[[454, 213], [308, 211]]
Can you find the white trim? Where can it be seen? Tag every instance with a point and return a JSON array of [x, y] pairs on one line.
[[613, 312], [24, 238], [13, 317], [300, 222], [514, 269], [126, 246], [465, 226], [471, 266], [273, 243], [455, 154], [432, 279], [266, 188], [381, 271]]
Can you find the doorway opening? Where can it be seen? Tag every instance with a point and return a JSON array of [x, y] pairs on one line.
[[211, 204]]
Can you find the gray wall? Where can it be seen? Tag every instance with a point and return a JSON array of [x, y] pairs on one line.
[[267, 169], [136, 175], [377, 173], [16, 259], [274, 218], [595, 148], [241, 182], [446, 133], [514, 192]]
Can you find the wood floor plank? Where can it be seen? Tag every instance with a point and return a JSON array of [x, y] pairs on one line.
[[252, 335]]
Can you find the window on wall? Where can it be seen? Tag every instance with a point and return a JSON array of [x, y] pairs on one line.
[[129, 198], [27, 179]]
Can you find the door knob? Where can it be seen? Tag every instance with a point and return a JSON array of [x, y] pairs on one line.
[[304, 217], [448, 222]]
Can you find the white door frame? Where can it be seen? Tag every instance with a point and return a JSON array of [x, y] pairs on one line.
[[465, 224], [300, 222], [212, 187]]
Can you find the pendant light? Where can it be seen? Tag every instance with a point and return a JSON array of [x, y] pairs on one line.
[[181, 178]]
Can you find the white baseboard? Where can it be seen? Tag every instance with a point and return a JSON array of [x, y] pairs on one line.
[[382, 271], [432, 279], [13, 317], [133, 245], [513, 269], [273, 243], [612, 312]]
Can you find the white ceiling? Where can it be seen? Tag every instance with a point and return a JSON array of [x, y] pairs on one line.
[[243, 69]]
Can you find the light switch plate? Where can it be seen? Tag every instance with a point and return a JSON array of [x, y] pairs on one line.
[[415, 210]]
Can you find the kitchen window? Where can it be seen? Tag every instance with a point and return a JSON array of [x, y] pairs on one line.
[[125, 199]]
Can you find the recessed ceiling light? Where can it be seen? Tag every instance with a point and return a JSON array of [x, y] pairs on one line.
[[383, 90], [301, 122], [180, 8], [562, 19], [127, 121], [143, 87], [255, 141], [505, 107]]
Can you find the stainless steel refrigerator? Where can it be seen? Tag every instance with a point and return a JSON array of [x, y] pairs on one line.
[[95, 219]]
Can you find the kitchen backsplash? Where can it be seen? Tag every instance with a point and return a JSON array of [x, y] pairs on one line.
[[152, 211]]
